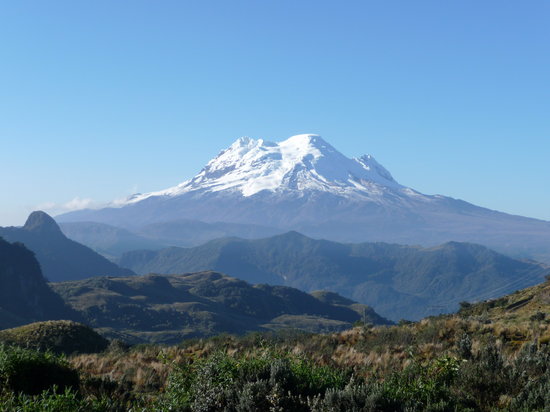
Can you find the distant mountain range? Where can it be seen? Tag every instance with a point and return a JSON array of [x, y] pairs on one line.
[[151, 308], [167, 309], [112, 241], [305, 184], [60, 258], [108, 240], [398, 281]]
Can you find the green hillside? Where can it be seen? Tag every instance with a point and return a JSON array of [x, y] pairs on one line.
[[398, 281], [521, 308], [167, 309]]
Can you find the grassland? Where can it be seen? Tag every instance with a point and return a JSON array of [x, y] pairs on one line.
[[490, 356]]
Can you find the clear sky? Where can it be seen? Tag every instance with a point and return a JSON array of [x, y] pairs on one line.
[[100, 99]]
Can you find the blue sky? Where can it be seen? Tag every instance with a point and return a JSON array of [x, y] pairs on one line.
[[100, 99]]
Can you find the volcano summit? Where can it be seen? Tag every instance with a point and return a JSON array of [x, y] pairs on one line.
[[304, 184]]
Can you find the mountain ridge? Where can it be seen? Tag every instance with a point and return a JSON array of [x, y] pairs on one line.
[[305, 184], [397, 281], [169, 308], [60, 258]]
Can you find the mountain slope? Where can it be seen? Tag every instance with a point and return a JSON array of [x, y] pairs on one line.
[[167, 309], [194, 233], [523, 307], [107, 240], [60, 258], [305, 184], [24, 294], [112, 241], [398, 281]]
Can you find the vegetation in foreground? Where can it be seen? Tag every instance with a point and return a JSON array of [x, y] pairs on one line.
[[493, 356]]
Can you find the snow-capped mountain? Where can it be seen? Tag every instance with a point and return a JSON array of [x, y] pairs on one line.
[[300, 164], [305, 184]]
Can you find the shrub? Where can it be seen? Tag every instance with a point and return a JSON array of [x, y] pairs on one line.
[[485, 377], [534, 395], [421, 387], [31, 372], [354, 397], [538, 316], [260, 382], [55, 401], [464, 347], [47, 401]]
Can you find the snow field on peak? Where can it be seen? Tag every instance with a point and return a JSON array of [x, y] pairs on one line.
[[299, 163]]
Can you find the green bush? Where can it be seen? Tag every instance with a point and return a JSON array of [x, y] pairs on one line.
[[54, 401], [32, 372], [67, 401], [422, 387], [354, 397], [260, 382], [275, 381]]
